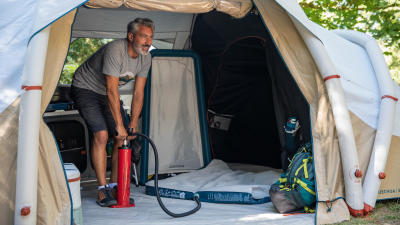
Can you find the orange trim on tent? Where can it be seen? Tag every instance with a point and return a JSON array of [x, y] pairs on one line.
[[30, 88], [74, 179], [391, 97], [331, 77]]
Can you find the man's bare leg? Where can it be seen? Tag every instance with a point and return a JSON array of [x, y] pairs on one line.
[[114, 161], [99, 156]]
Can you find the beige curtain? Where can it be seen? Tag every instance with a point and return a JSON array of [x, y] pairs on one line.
[[8, 161], [53, 198], [328, 169], [235, 8]]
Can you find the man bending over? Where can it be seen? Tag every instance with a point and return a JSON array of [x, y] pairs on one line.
[[95, 93]]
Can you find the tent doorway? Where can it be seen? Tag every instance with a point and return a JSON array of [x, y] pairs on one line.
[[250, 92], [243, 89]]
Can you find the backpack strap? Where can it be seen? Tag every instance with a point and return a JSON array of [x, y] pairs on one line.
[[304, 185]]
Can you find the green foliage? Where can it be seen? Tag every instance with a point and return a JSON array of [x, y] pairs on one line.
[[79, 51], [380, 19]]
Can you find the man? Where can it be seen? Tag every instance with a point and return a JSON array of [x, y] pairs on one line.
[[95, 92]]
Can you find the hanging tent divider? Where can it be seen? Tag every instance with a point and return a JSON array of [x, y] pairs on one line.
[[351, 170], [380, 151], [28, 130], [206, 155]]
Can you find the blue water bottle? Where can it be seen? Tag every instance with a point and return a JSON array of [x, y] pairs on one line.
[[291, 140]]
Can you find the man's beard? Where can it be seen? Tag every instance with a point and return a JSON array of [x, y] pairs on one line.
[[139, 50]]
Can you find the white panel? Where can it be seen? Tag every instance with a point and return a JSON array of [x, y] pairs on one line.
[[181, 38], [116, 20], [162, 44], [174, 119], [116, 34]]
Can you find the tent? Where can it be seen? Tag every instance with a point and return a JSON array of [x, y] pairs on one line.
[[352, 115]]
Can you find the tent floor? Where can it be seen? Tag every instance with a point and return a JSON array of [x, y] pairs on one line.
[[147, 211]]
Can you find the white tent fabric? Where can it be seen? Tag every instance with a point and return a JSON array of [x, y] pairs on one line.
[[19, 21], [354, 66]]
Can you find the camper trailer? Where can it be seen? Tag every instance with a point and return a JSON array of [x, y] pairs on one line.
[[228, 79]]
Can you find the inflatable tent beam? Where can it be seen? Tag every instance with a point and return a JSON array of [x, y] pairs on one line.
[[351, 170], [28, 130], [387, 110]]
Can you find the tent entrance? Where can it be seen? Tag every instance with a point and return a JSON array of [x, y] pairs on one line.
[[253, 87], [242, 96], [250, 92]]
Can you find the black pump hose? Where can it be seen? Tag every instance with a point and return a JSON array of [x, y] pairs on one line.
[[176, 215]]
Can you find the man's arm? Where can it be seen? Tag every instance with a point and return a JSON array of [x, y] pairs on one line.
[[113, 102], [137, 101]]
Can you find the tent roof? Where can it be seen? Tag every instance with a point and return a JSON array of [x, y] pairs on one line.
[[171, 27]]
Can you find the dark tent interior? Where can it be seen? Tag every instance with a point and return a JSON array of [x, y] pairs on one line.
[[250, 92]]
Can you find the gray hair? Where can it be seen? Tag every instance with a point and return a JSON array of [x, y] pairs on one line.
[[133, 26]]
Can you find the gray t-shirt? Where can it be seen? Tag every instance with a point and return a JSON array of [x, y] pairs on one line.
[[111, 59]]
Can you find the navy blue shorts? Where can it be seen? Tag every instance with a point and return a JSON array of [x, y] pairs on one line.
[[94, 109]]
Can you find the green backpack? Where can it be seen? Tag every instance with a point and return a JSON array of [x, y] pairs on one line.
[[295, 190]]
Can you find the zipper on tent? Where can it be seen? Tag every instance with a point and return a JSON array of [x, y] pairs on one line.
[[315, 177]]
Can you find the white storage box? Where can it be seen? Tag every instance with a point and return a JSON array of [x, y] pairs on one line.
[[74, 181]]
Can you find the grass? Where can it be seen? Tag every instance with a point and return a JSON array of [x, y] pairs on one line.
[[386, 212]]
